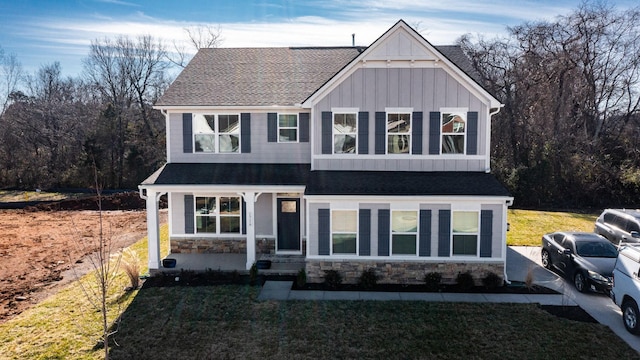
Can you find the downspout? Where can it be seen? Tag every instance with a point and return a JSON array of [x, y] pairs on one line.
[[488, 129]]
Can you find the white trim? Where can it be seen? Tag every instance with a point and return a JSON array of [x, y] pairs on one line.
[[343, 111], [416, 233], [402, 156], [409, 134], [477, 234], [463, 111], [204, 108], [216, 132], [449, 200], [417, 259]]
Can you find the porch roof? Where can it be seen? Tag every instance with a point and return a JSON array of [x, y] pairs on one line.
[[404, 183], [229, 174]]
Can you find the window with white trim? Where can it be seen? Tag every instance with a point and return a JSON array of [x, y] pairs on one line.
[[218, 214], [345, 133], [404, 232], [465, 232], [287, 127], [344, 229], [216, 133], [398, 133], [453, 131]]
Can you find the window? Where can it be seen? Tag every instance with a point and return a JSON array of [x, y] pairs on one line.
[[465, 232], [453, 132], [287, 128], [216, 133], [404, 232], [344, 225], [398, 133], [344, 133], [217, 215]]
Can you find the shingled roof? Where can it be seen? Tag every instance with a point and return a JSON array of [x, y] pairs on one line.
[[267, 76]]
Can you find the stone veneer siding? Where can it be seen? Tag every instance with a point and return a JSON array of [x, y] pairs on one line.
[[219, 246], [399, 272]]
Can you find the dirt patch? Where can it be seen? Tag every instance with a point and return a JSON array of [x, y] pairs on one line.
[[38, 249]]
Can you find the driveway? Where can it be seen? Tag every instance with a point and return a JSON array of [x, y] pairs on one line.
[[522, 259]]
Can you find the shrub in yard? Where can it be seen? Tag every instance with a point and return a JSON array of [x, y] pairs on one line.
[[131, 266], [368, 279], [332, 279], [253, 274], [301, 278], [465, 280], [492, 281], [432, 280]]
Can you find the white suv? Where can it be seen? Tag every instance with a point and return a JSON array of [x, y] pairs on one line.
[[625, 291], [619, 225]]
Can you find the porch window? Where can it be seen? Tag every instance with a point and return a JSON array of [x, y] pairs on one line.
[[453, 132], [465, 232], [288, 128], [344, 133], [344, 225], [404, 232], [398, 133], [217, 215], [216, 133]]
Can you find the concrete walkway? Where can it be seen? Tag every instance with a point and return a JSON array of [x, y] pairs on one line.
[[281, 290]]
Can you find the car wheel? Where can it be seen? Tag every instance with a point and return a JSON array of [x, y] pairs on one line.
[[630, 316], [546, 262], [579, 282]]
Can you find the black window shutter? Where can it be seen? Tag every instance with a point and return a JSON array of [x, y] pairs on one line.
[[416, 133], [244, 217], [189, 214], [425, 233], [303, 123], [272, 127], [364, 232], [472, 133], [381, 132], [444, 233], [187, 133], [245, 132], [434, 133], [324, 232], [363, 132], [383, 232], [486, 232], [327, 132]]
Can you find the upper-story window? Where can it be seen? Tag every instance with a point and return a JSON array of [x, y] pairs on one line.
[[344, 133], [216, 133], [287, 127], [453, 131], [218, 214], [398, 133]]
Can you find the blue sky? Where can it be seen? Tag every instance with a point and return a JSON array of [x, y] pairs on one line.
[[41, 32]]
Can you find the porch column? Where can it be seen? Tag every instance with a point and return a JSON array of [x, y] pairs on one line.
[[250, 199], [153, 229]]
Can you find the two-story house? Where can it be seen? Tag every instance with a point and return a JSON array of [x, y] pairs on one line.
[[351, 157]]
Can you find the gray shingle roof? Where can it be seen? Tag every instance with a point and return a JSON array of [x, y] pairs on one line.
[[256, 76], [267, 76]]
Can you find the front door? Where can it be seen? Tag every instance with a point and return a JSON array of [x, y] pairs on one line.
[[288, 224]]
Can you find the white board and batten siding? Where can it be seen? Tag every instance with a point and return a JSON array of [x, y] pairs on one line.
[[423, 90]]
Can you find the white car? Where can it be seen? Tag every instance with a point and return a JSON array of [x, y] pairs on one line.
[[625, 291]]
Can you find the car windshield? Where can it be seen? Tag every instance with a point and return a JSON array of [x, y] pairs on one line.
[[596, 249]]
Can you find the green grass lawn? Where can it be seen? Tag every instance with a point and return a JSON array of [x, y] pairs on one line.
[[526, 227], [225, 322]]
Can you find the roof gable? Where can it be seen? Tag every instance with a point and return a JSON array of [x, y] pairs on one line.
[[402, 46]]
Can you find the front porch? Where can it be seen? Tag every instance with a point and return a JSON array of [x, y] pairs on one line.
[[230, 262]]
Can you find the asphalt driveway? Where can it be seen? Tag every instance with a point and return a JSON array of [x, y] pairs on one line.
[[522, 259]]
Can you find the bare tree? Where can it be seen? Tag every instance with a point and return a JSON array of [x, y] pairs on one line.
[[198, 37], [129, 74], [10, 76]]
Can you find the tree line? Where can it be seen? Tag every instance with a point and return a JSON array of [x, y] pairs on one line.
[[569, 131], [567, 136]]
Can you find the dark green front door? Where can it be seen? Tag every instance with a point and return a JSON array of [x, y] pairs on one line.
[[288, 224]]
